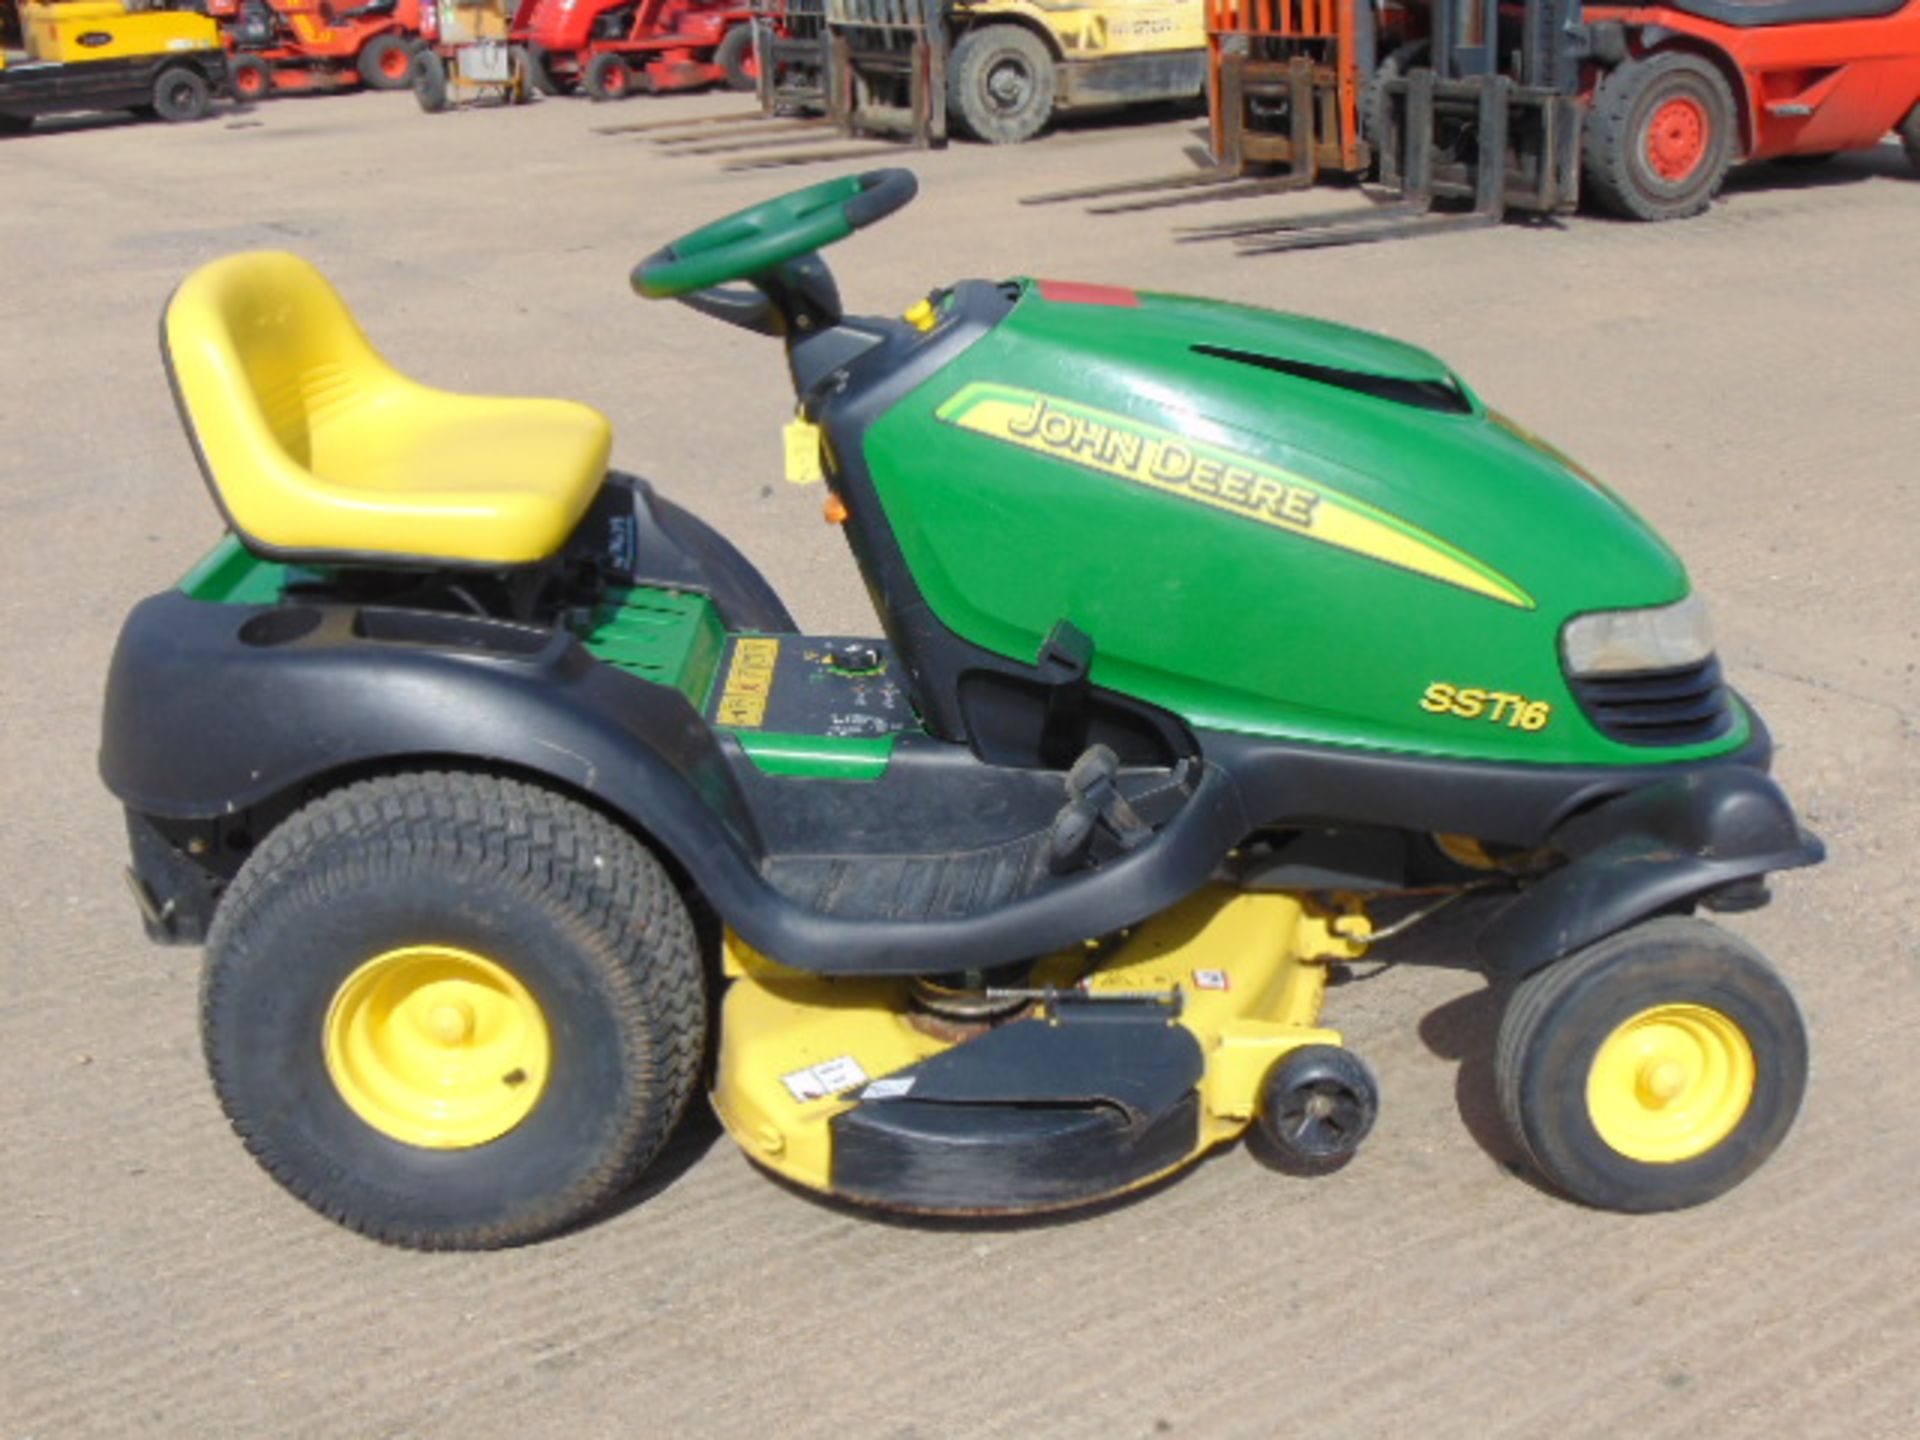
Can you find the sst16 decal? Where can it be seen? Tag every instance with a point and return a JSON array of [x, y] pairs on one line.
[[1473, 702], [1211, 475]]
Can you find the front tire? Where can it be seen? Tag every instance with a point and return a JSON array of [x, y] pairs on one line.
[[1660, 137], [430, 81], [608, 77], [736, 59], [453, 1011], [1000, 84], [386, 63], [1654, 1070], [251, 78]]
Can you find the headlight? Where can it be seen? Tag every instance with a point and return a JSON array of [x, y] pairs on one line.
[[1663, 637]]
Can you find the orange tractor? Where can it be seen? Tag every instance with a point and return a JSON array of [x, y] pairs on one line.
[[290, 46]]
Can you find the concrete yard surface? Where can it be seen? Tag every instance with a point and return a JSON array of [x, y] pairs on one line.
[[1746, 380]]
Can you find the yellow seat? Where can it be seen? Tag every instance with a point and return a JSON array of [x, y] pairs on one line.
[[318, 450]]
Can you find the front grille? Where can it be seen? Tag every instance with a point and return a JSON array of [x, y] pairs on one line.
[[1687, 705]]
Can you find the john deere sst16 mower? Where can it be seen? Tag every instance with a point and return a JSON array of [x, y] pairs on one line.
[[512, 808]]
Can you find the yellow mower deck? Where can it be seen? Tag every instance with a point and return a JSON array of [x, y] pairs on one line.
[[1243, 974]]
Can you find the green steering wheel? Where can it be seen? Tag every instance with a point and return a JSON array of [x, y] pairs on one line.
[[765, 236]]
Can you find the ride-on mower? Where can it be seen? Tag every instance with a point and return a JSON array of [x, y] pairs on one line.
[[618, 48], [1213, 637], [295, 46]]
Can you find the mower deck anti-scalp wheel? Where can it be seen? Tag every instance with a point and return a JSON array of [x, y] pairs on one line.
[[1653, 1070], [736, 59], [180, 94], [386, 63], [251, 77], [1316, 1106], [1000, 84], [1659, 137], [608, 77], [430, 81], [453, 1011]]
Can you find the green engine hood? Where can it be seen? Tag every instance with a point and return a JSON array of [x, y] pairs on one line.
[[1266, 523]]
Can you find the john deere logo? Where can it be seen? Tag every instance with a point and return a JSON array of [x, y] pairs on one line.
[[1177, 464], [94, 39]]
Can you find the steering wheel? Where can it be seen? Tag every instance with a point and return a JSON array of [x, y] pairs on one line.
[[766, 236]]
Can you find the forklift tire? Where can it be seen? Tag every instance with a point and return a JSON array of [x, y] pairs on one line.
[[1373, 95], [1910, 137], [386, 63], [1653, 1070], [430, 81], [453, 1010], [251, 78], [1000, 84], [1660, 137], [609, 77], [734, 55], [181, 94]]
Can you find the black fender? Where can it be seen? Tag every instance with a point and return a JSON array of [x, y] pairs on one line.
[[1665, 845], [222, 718], [219, 710]]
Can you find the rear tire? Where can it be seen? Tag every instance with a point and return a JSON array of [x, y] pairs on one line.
[[609, 77], [430, 81], [1000, 84], [453, 1011], [386, 63], [251, 78], [734, 55], [1660, 137], [180, 95], [1653, 1070]]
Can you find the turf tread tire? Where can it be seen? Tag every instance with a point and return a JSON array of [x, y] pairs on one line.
[[595, 883], [1611, 161], [598, 82], [734, 56], [372, 63], [1547, 994]]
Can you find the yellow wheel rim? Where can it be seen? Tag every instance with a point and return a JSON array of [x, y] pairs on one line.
[[1670, 1083], [437, 1047]]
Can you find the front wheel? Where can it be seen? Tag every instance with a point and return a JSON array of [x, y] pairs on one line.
[[609, 77], [1000, 84], [251, 78], [1660, 137], [180, 95], [386, 63], [430, 81], [736, 58], [1654, 1070], [453, 1011]]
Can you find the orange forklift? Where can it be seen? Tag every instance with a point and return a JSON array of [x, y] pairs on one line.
[[293, 46], [1529, 107]]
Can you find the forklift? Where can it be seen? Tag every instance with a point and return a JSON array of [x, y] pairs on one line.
[[1465, 111], [86, 55], [996, 71]]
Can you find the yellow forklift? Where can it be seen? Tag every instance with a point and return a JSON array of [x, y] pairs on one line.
[[109, 55], [992, 70]]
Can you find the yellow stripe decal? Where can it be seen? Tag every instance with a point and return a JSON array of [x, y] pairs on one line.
[[1176, 464]]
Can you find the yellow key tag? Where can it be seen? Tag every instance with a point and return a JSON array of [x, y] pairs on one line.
[[803, 453]]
